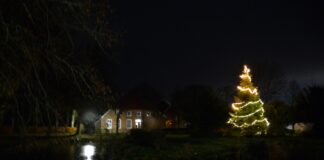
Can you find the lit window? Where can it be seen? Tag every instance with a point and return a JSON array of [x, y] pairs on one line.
[[129, 114], [129, 123], [109, 123], [148, 114], [138, 123], [119, 124], [139, 114]]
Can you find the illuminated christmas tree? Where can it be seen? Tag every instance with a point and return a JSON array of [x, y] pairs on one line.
[[247, 111]]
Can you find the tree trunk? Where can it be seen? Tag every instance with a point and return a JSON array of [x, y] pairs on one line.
[[117, 120], [74, 114]]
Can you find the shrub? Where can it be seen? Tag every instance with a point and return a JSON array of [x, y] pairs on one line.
[[254, 149], [146, 138]]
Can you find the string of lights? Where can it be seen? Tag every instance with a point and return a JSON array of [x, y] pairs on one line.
[[243, 121]]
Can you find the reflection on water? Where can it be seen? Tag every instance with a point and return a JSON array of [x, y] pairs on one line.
[[53, 150], [88, 151]]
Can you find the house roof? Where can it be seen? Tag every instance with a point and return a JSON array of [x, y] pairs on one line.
[[109, 110]]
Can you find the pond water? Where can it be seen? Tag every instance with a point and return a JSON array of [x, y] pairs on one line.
[[55, 151], [88, 151]]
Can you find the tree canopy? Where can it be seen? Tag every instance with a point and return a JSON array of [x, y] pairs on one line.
[[309, 107], [200, 107]]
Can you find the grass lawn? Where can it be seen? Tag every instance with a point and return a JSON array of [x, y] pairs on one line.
[[185, 147], [150, 146]]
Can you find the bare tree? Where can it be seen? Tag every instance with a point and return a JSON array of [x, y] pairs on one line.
[[48, 53], [270, 79], [293, 90]]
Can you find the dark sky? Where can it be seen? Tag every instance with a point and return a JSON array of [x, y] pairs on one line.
[[172, 43]]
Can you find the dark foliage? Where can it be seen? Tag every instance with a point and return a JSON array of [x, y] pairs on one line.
[[146, 138], [142, 96], [279, 115], [310, 108], [270, 79], [201, 108], [254, 149]]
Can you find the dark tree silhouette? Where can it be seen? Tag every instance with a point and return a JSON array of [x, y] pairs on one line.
[[199, 106], [309, 107], [293, 89], [142, 96], [270, 79], [280, 115]]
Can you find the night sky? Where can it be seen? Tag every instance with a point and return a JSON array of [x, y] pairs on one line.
[[171, 43]]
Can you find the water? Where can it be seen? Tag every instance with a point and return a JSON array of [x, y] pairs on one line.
[[48, 150], [88, 151]]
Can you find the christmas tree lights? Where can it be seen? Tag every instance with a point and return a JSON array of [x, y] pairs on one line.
[[247, 110], [248, 89]]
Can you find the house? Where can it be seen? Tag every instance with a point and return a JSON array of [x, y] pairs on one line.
[[140, 108], [129, 119], [138, 118]]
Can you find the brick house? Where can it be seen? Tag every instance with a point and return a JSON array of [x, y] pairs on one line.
[[140, 108], [129, 119]]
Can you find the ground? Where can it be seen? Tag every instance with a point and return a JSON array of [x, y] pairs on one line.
[[174, 147], [184, 147]]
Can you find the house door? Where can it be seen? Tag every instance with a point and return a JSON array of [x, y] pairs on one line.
[[138, 123]]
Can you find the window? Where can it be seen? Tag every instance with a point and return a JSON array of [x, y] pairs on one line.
[[129, 123], [129, 114], [139, 114], [148, 114], [119, 123], [138, 123], [109, 123]]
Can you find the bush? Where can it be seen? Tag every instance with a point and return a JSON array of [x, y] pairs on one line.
[[6, 130], [146, 138], [254, 149], [175, 130]]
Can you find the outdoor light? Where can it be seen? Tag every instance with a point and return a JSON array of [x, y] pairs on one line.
[[88, 151], [290, 127], [90, 116]]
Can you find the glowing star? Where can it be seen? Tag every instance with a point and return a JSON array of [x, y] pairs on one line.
[[246, 73], [246, 70], [248, 115]]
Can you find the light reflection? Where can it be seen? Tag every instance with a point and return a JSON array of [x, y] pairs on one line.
[[88, 151]]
